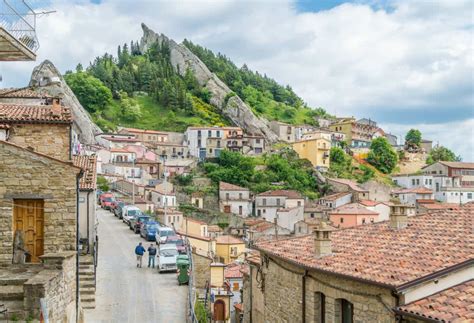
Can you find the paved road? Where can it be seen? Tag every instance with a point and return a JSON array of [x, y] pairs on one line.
[[126, 293]]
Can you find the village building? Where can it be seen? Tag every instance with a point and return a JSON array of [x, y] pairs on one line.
[[149, 168], [268, 203], [254, 145], [464, 171], [161, 198], [196, 138], [145, 135], [315, 150], [347, 185], [169, 150], [351, 215], [197, 199], [426, 145], [368, 273], [313, 210], [118, 140], [229, 248], [409, 196], [424, 206], [284, 131], [234, 278], [128, 188], [179, 166], [261, 229], [214, 231], [220, 294], [382, 208], [335, 200], [307, 226], [170, 217], [214, 146], [234, 199]]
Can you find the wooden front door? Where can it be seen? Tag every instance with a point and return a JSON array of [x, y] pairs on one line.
[[226, 208], [28, 216], [219, 310]]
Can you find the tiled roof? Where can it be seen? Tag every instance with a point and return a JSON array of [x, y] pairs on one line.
[[369, 202], [134, 130], [379, 254], [239, 307], [233, 270], [16, 113], [120, 139], [4, 126], [458, 164], [214, 228], [334, 196], [146, 161], [353, 209], [89, 166], [194, 236], [440, 206], [121, 150], [352, 185], [262, 226], [455, 304], [223, 186], [416, 190], [228, 240], [23, 93], [288, 193]]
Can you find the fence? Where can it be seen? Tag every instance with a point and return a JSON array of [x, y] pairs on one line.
[[19, 19], [191, 291]]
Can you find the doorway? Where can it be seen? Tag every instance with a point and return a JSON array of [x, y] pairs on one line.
[[28, 217], [219, 310]]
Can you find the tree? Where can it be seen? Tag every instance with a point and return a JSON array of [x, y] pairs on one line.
[[413, 138], [337, 155], [382, 156], [441, 153], [102, 184], [90, 91]]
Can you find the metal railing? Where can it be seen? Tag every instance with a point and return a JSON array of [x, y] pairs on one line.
[[191, 291], [19, 19]]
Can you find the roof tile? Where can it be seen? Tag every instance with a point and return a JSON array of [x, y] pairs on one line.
[[16, 113]]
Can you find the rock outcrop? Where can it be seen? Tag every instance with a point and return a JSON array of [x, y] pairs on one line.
[[230, 105], [47, 78]]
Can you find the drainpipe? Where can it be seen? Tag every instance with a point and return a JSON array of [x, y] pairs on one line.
[[88, 224], [303, 295], [81, 173], [396, 295], [251, 293], [70, 142]]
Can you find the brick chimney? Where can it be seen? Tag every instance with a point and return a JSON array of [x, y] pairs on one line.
[[56, 108], [322, 240], [398, 216]]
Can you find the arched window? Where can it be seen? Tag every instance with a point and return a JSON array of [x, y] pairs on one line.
[[319, 307], [344, 311]]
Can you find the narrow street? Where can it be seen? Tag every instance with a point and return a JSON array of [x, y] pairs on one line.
[[126, 293]]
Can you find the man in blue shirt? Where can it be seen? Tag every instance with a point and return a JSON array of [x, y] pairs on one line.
[[139, 251], [151, 255]]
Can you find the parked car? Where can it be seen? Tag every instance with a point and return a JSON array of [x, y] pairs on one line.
[[118, 209], [129, 212], [162, 233], [104, 196], [167, 256], [107, 203], [178, 242], [135, 223], [149, 229]]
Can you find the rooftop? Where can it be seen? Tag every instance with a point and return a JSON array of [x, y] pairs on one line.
[[352, 185], [335, 196], [23, 93], [369, 202], [353, 209], [454, 304], [234, 270], [416, 190], [89, 165], [228, 240], [17, 113], [231, 187], [378, 254], [458, 164], [134, 130], [287, 193]]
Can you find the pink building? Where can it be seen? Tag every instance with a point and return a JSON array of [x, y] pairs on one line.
[[142, 152], [351, 215]]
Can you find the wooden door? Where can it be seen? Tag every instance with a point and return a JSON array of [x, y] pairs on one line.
[[28, 216], [219, 310], [226, 208]]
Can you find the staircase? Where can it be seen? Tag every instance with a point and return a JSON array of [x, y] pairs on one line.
[[87, 282], [11, 296]]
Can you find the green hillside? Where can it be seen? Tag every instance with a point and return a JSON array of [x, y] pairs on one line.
[[142, 90]]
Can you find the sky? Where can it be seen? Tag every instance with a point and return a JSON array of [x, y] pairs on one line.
[[404, 64]]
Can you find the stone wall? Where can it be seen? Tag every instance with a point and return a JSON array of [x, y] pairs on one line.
[[26, 175], [370, 303], [202, 270], [48, 139], [377, 191]]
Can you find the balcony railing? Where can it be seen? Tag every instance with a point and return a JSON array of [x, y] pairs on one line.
[[19, 20]]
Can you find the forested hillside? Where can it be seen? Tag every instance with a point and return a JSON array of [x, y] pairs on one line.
[[143, 90]]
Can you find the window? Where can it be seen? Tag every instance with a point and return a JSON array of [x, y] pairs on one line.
[[240, 209], [226, 196], [346, 311], [240, 196], [320, 307], [199, 142], [413, 182], [469, 196], [264, 201], [342, 220], [257, 141], [169, 219], [209, 133], [199, 133], [312, 215], [363, 220], [235, 287], [278, 202], [259, 213], [371, 220], [299, 203], [218, 133], [264, 210]]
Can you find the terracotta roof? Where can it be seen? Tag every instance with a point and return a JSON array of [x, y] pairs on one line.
[[16, 113], [353, 209], [379, 254], [223, 186], [252, 221], [288, 193], [214, 228], [120, 139], [239, 307], [23, 93], [4, 126], [233, 270], [352, 185], [454, 304], [458, 164], [335, 196], [416, 190], [121, 150], [146, 161], [135, 130], [369, 202], [228, 240], [262, 226], [89, 165], [440, 206], [253, 259]]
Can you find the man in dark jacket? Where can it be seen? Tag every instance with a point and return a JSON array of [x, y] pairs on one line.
[[139, 251], [151, 255]]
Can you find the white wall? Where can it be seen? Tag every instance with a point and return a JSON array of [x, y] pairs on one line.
[[288, 218]]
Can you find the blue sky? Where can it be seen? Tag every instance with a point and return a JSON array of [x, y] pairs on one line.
[[403, 63]]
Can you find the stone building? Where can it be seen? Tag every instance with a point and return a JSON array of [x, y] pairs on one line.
[[234, 199], [368, 273]]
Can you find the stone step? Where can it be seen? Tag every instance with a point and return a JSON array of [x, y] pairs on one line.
[[12, 281], [86, 262], [11, 292], [87, 291], [87, 284], [86, 278], [82, 267], [89, 305], [86, 272]]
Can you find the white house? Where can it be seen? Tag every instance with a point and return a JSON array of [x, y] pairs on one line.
[[161, 198], [382, 208], [268, 203], [409, 196], [336, 200], [234, 199], [196, 138]]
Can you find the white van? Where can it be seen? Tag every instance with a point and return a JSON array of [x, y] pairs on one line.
[[167, 256], [162, 233], [129, 212]]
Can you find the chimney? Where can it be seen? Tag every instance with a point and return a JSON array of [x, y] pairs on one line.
[[322, 240], [56, 109], [398, 216]]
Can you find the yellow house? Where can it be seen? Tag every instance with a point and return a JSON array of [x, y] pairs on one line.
[[194, 227], [220, 302], [229, 248], [316, 150], [344, 125]]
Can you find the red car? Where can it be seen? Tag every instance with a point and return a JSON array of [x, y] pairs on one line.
[[178, 241], [106, 200]]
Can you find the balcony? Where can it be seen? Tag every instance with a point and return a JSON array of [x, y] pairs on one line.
[[18, 41]]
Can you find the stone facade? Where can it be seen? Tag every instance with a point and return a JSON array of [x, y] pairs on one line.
[[202, 269], [49, 139], [370, 303], [27, 175]]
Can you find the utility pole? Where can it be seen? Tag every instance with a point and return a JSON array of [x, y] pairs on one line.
[[165, 173], [133, 181]]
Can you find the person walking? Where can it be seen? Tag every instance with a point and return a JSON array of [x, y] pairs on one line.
[[139, 251], [151, 255]]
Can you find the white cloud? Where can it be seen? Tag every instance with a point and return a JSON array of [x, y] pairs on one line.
[[352, 59]]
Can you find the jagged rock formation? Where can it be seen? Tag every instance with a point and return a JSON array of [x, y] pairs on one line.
[[231, 106], [47, 77]]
